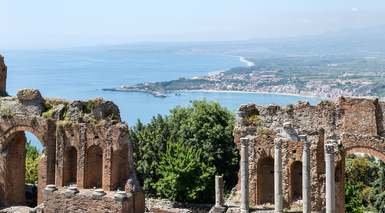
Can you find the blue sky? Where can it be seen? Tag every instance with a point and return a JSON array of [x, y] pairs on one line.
[[48, 23]]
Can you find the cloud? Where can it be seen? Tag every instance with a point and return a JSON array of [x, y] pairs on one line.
[[355, 9]]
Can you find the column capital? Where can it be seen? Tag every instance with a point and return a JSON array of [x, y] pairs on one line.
[[244, 142], [303, 138], [278, 143], [330, 148], [306, 142]]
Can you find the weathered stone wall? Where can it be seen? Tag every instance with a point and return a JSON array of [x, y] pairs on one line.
[[356, 122], [84, 143], [3, 77], [59, 201]]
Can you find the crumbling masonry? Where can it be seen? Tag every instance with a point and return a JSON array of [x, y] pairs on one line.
[[85, 145], [332, 129]]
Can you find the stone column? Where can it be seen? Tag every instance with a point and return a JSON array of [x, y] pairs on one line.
[[3, 77], [107, 169], [278, 192], [330, 181], [244, 175], [219, 201], [60, 147], [306, 178], [80, 179]]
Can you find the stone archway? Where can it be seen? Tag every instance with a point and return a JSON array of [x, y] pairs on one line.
[[265, 172], [340, 170], [70, 166], [296, 180], [93, 167], [13, 149], [365, 150], [60, 125]]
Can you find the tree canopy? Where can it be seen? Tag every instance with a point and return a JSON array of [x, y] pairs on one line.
[[364, 184], [193, 142], [31, 163]]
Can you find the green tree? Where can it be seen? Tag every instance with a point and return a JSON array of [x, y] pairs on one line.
[[149, 142], [353, 198], [31, 163], [378, 196], [184, 174], [364, 185], [210, 126], [204, 124]]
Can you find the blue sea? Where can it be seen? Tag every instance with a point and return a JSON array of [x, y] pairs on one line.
[[81, 73]]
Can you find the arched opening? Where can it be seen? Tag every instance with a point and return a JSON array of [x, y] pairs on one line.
[[364, 180], [22, 160], [266, 180], [94, 167], [120, 168], [70, 166], [296, 180]]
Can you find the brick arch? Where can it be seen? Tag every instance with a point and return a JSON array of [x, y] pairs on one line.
[[340, 168], [24, 128], [93, 175], [265, 180], [366, 150], [295, 180], [70, 158], [13, 140]]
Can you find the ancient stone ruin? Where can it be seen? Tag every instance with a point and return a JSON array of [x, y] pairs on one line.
[[298, 152], [86, 163]]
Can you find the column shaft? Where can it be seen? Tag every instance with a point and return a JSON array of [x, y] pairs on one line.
[[330, 181], [278, 195], [219, 201], [306, 188], [244, 175]]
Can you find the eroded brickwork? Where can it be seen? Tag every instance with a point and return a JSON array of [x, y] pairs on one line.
[[357, 123], [59, 201], [3, 77], [84, 143]]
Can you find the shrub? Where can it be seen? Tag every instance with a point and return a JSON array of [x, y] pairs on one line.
[[31, 163], [184, 175], [206, 125]]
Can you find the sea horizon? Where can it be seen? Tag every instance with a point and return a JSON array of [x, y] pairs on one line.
[[77, 74]]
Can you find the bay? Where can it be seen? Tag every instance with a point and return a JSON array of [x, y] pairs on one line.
[[81, 73]]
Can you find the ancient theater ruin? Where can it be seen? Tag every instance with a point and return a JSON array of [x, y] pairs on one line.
[[86, 165], [298, 152]]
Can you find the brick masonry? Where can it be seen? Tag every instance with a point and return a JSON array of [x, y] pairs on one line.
[[358, 124], [84, 143]]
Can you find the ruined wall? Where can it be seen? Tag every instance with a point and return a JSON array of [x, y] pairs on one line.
[[3, 76], [85, 143], [357, 123], [84, 201]]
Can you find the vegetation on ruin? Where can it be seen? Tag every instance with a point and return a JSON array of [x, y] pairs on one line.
[[254, 120], [364, 185], [6, 111], [49, 113], [50, 110], [31, 163], [202, 131]]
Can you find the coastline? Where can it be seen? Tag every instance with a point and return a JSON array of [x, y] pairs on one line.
[[252, 92], [166, 93], [245, 61]]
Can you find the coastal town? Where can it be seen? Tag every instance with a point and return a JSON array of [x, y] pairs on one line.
[[326, 78]]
